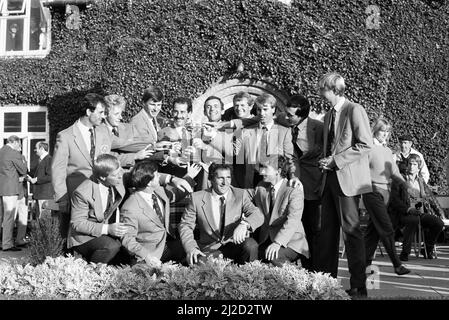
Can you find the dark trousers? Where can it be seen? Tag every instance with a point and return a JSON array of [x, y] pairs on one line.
[[284, 254], [311, 222], [99, 250], [431, 224], [338, 209], [240, 253], [379, 226], [173, 251]]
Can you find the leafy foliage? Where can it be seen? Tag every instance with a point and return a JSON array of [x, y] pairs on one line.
[[398, 70], [46, 240], [70, 278]]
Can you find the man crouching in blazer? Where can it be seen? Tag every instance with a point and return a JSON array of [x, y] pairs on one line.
[[146, 213], [94, 231], [224, 215], [281, 238]]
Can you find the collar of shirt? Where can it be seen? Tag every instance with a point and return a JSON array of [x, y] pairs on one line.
[[216, 197], [43, 155], [277, 186], [302, 125], [268, 125], [108, 125], [378, 143], [339, 104], [148, 198], [82, 127]]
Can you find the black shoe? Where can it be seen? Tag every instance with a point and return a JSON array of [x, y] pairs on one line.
[[403, 257], [357, 293], [12, 249], [401, 270], [22, 245]]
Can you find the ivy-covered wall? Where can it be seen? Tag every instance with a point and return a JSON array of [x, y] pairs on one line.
[[394, 55]]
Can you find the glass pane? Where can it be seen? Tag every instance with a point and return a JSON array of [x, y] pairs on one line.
[[36, 121], [33, 157], [15, 5], [14, 36], [38, 30], [13, 122]]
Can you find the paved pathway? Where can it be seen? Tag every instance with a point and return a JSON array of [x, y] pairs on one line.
[[428, 279]]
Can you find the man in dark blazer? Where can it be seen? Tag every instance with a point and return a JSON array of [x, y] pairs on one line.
[[41, 176], [95, 229], [346, 145], [307, 135], [12, 165], [281, 238], [224, 215]]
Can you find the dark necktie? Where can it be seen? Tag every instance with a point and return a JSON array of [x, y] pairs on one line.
[[107, 213], [154, 123], [272, 198], [92, 143], [222, 215], [263, 144], [157, 208], [331, 133], [295, 132], [115, 131]]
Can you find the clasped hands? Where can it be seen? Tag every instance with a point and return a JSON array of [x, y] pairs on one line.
[[327, 163]]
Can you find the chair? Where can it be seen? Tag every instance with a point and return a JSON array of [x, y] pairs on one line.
[[420, 241]]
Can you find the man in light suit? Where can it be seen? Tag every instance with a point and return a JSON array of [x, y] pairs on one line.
[[146, 213], [75, 150], [347, 142], [146, 123], [307, 135], [281, 238], [264, 139], [124, 144], [41, 180], [224, 215], [94, 227], [12, 165]]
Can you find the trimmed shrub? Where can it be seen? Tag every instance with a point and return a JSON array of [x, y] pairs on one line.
[[45, 239], [70, 278]]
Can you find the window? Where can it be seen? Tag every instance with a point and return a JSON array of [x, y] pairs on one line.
[[29, 123], [24, 28]]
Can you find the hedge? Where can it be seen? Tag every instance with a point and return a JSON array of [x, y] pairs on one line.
[[217, 279], [398, 70]]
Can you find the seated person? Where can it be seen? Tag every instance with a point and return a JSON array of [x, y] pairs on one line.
[[401, 157], [224, 215], [146, 214], [414, 204], [94, 230], [281, 238]]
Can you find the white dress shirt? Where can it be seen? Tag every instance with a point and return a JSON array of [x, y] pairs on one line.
[[277, 186], [85, 133], [216, 206], [104, 193]]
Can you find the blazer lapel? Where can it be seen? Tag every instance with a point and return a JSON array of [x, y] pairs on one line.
[[341, 122], [166, 206], [230, 207], [273, 135], [325, 131], [207, 211], [81, 144], [278, 201]]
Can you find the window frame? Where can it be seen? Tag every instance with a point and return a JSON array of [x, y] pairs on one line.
[[6, 15], [23, 133]]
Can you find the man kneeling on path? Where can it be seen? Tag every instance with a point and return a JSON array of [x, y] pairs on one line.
[[224, 215]]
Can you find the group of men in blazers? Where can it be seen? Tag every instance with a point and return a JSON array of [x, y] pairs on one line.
[[278, 189]]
